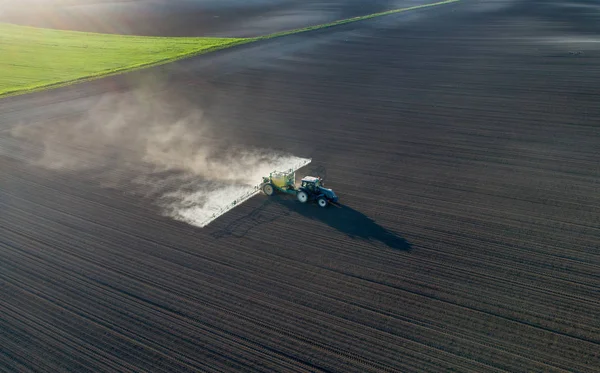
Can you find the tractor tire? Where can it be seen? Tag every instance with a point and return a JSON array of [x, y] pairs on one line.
[[268, 189], [302, 197], [322, 201]]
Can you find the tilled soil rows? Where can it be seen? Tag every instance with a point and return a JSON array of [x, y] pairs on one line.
[[462, 141]]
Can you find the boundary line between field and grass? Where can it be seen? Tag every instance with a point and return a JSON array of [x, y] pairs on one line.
[[240, 41], [353, 19], [125, 69]]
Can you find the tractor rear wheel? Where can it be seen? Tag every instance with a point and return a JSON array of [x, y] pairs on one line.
[[322, 202], [268, 189], [302, 197]]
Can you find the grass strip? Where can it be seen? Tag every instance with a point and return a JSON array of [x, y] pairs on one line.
[[353, 19], [33, 59]]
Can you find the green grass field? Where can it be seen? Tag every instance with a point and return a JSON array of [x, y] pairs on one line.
[[34, 58]]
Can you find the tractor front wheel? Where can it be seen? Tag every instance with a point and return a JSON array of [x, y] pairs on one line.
[[302, 197], [322, 202], [268, 189]]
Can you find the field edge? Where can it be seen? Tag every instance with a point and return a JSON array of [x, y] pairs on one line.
[[119, 71], [239, 41]]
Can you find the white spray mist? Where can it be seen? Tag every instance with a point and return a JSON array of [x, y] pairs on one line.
[[163, 152]]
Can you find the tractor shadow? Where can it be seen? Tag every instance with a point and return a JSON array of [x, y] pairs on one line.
[[346, 220]]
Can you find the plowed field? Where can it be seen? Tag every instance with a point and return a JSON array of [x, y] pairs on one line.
[[463, 141]]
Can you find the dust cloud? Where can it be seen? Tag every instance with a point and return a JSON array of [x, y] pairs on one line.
[[169, 153]]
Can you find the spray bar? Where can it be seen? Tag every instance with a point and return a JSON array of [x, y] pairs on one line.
[[243, 198]]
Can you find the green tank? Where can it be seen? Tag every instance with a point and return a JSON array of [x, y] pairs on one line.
[[283, 181]]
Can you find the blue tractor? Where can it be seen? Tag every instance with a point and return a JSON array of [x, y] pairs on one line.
[[311, 188]]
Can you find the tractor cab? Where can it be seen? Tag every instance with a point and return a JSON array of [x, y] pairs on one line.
[[312, 183]]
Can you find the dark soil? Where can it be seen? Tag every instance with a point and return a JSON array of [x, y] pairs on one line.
[[463, 142]]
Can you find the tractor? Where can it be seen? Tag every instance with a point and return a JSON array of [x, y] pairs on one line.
[[311, 188]]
